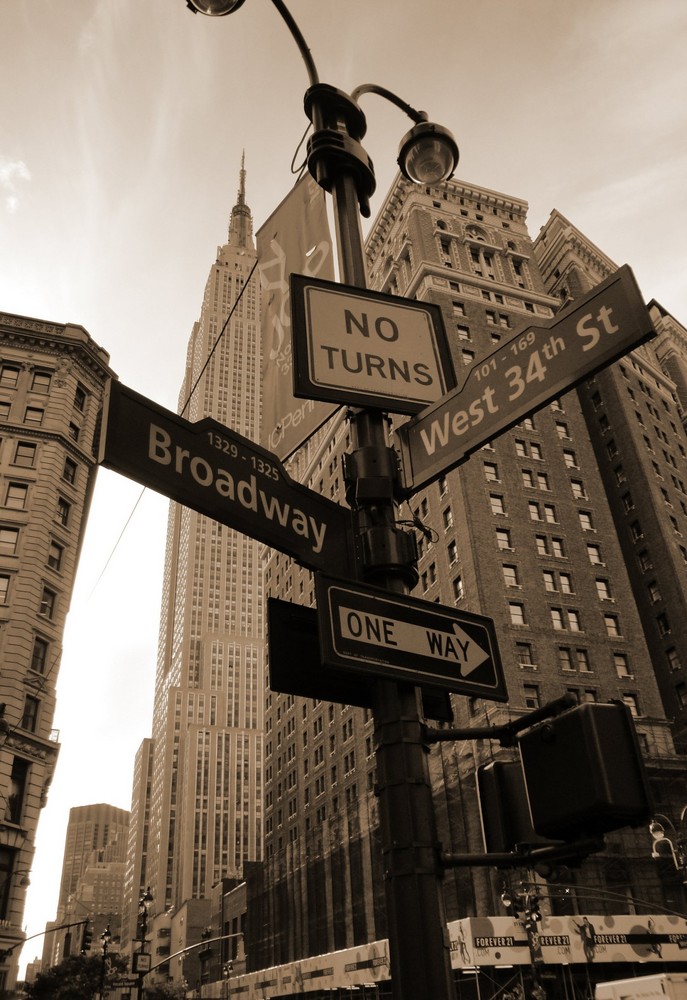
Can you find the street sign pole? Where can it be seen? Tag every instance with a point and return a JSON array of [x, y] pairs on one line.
[[419, 946]]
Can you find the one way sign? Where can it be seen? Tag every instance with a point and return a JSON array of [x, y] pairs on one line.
[[371, 631]]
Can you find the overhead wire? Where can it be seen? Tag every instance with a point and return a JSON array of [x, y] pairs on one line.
[[182, 411]]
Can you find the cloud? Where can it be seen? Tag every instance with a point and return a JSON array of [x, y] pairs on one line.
[[11, 173]]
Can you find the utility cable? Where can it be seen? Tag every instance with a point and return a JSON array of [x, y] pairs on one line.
[[183, 410]]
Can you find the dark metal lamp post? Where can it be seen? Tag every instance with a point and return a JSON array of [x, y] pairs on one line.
[[428, 154], [141, 959]]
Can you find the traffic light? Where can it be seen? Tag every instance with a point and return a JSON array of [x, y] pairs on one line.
[[532, 913], [86, 939], [584, 772], [506, 821]]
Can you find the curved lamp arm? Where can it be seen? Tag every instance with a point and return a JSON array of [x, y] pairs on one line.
[[373, 88], [220, 8]]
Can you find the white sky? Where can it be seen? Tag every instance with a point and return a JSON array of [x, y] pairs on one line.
[[121, 131]]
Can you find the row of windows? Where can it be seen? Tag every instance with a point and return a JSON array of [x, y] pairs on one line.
[[564, 619], [41, 381], [9, 544]]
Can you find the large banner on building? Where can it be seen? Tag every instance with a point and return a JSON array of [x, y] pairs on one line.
[[478, 941], [295, 239]]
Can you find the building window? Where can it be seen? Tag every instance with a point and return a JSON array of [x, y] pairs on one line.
[[491, 472], [4, 588], [566, 583], [503, 539], [14, 806], [583, 663], [550, 513], [29, 719], [47, 605], [41, 381], [55, 554], [535, 512], [586, 522], [577, 487], [517, 613], [542, 544], [594, 553], [565, 659], [39, 655], [458, 588], [557, 548], [510, 576], [448, 518], [452, 550], [531, 695], [9, 540], [673, 658], [603, 590], [632, 703], [523, 652], [612, 625], [570, 459], [80, 398], [69, 471], [621, 664], [663, 624], [549, 580], [557, 619], [16, 495], [63, 511], [496, 503], [9, 376], [644, 560], [25, 454], [34, 415]]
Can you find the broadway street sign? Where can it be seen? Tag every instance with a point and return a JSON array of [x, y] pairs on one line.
[[523, 374], [374, 633], [355, 346], [223, 475]]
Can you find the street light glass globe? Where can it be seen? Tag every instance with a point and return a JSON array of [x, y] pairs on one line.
[[428, 154], [214, 8]]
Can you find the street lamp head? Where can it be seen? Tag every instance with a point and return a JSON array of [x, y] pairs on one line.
[[214, 8], [428, 154]]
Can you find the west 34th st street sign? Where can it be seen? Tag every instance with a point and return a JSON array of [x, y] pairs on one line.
[[523, 374], [371, 631], [223, 475]]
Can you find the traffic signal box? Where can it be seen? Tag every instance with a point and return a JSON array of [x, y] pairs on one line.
[[506, 822], [584, 773]]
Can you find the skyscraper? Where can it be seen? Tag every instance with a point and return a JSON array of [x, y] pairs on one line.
[[205, 808], [92, 874], [526, 532], [52, 378]]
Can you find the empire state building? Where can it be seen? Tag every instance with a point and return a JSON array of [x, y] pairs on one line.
[[204, 810]]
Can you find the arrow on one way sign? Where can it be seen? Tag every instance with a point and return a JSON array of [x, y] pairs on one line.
[[453, 647], [376, 633]]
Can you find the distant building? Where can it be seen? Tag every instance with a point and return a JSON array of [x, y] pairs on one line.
[[92, 879], [197, 802], [535, 531], [52, 379]]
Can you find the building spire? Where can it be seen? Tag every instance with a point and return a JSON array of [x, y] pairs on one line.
[[241, 222]]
